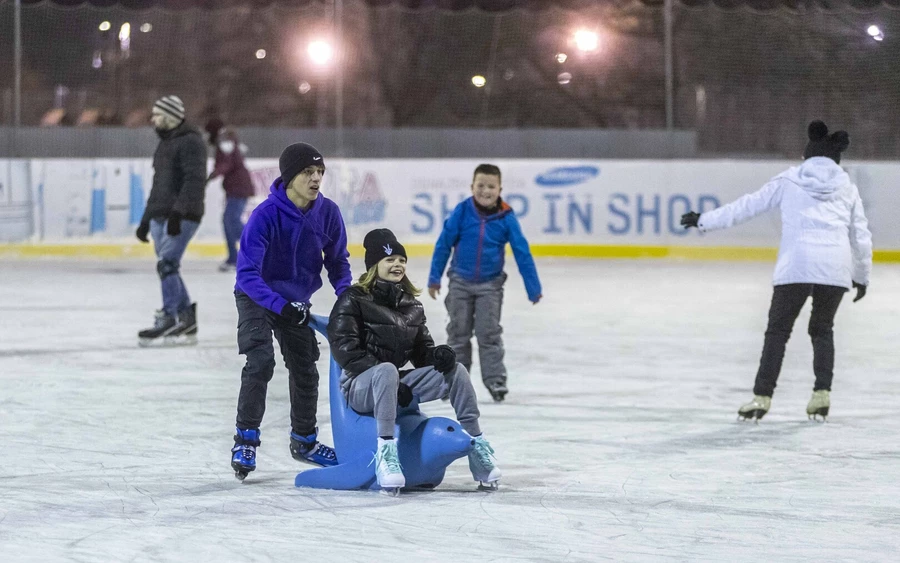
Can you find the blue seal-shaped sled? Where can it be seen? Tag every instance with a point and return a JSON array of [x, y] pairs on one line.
[[426, 445]]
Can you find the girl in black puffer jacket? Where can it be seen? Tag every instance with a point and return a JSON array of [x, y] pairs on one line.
[[377, 327]]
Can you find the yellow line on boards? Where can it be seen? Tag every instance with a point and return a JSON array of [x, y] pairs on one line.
[[217, 250]]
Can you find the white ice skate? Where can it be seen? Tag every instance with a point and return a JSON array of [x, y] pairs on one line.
[[755, 409], [387, 467], [483, 469], [818, 405]]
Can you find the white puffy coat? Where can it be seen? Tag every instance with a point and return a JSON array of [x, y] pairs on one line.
[[825, 237]]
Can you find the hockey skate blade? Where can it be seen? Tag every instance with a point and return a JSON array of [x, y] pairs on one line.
[[168, 341]]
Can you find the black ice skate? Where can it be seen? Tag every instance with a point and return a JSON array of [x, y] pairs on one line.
[[498, 391], [163, 327], [185, 333]]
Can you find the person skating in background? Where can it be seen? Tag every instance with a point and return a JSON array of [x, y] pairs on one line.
[[826, 249], [376, 328], [286, 242], [229, 165], [172, 216], [477, 233]]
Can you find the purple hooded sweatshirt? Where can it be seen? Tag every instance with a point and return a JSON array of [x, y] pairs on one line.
[[283, 250]]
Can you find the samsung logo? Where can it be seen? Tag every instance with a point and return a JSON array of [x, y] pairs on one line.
[[567, 176]]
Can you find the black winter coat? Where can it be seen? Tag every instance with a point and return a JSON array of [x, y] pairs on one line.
[[179, 175], [386, 325]]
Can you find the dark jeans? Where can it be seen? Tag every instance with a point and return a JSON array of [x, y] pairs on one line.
[[300, 352], [231, 221], [787, 300]]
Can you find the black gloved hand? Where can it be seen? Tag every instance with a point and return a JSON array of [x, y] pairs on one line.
[[142, 231], [444, 359], [173, 224], [296, 313], [690, 219], [404, 395], [860, 291]]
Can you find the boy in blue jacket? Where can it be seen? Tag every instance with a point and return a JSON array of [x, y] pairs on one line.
[[285, 244], [477, 231]]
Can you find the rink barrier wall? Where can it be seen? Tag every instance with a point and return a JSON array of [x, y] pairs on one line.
[[577, 208], [206, 250]]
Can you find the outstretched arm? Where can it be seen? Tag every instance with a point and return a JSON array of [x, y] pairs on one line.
[[742, 209], [524, 260], [446, 241]]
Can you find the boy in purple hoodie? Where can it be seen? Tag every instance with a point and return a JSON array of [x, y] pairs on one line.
[[285, 244]]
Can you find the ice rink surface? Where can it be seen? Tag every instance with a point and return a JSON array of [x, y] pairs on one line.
[[618, 440]]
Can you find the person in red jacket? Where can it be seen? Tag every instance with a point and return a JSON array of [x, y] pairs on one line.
[[236, 182]]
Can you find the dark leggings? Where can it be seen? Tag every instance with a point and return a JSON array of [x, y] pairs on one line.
[[787, 300], [300, 352]]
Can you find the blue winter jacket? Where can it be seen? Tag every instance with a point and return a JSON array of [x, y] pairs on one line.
[[479, 247], [283, 250]]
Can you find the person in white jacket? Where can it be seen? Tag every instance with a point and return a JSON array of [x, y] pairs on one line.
[[826, 249]]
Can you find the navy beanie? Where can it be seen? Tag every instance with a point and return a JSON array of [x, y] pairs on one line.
[[822, 144], [295, 158], [380, 244]]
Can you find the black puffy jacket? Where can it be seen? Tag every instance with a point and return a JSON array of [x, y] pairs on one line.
[[179, 175], [386, 325]]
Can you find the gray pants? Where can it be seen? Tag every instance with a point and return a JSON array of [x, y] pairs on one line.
[[375, 391], [476, 307]]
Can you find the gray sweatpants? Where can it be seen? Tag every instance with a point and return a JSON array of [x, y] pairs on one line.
[[375, 391], [476, 307]]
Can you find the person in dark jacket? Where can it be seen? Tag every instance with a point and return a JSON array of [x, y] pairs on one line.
[[229, 165], [376, 328], [287, 240], [172, 216]]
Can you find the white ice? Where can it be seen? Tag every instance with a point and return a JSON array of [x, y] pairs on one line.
[[618, 440]]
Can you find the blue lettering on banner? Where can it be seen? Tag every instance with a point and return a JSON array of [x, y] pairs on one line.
[[519, 204], [643, 212], [424, 212], [566, 176], [552, 227], [675, 214], [585, 215], [626, 218]]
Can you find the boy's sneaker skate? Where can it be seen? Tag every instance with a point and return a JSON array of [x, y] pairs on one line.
[[498, 391], [387, 467], [308, 450], [819, 404], [185, 332], [755, 409], [483, 469], [163, 326], [243, 454]]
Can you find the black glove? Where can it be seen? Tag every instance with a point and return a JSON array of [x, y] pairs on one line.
[[142, 231], [444, 359], [860, 291], [690, 219], [173, 224], [296, 313], [404, 395]]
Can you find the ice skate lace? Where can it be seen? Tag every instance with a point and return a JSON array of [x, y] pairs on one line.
[[388, 456], [247, 452], [483, 453], [324, 451], [160, 319]]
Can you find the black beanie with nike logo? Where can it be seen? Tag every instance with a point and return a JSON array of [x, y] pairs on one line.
[[295, 158]]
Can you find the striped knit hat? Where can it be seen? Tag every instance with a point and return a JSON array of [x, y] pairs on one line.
[[171, 105]]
